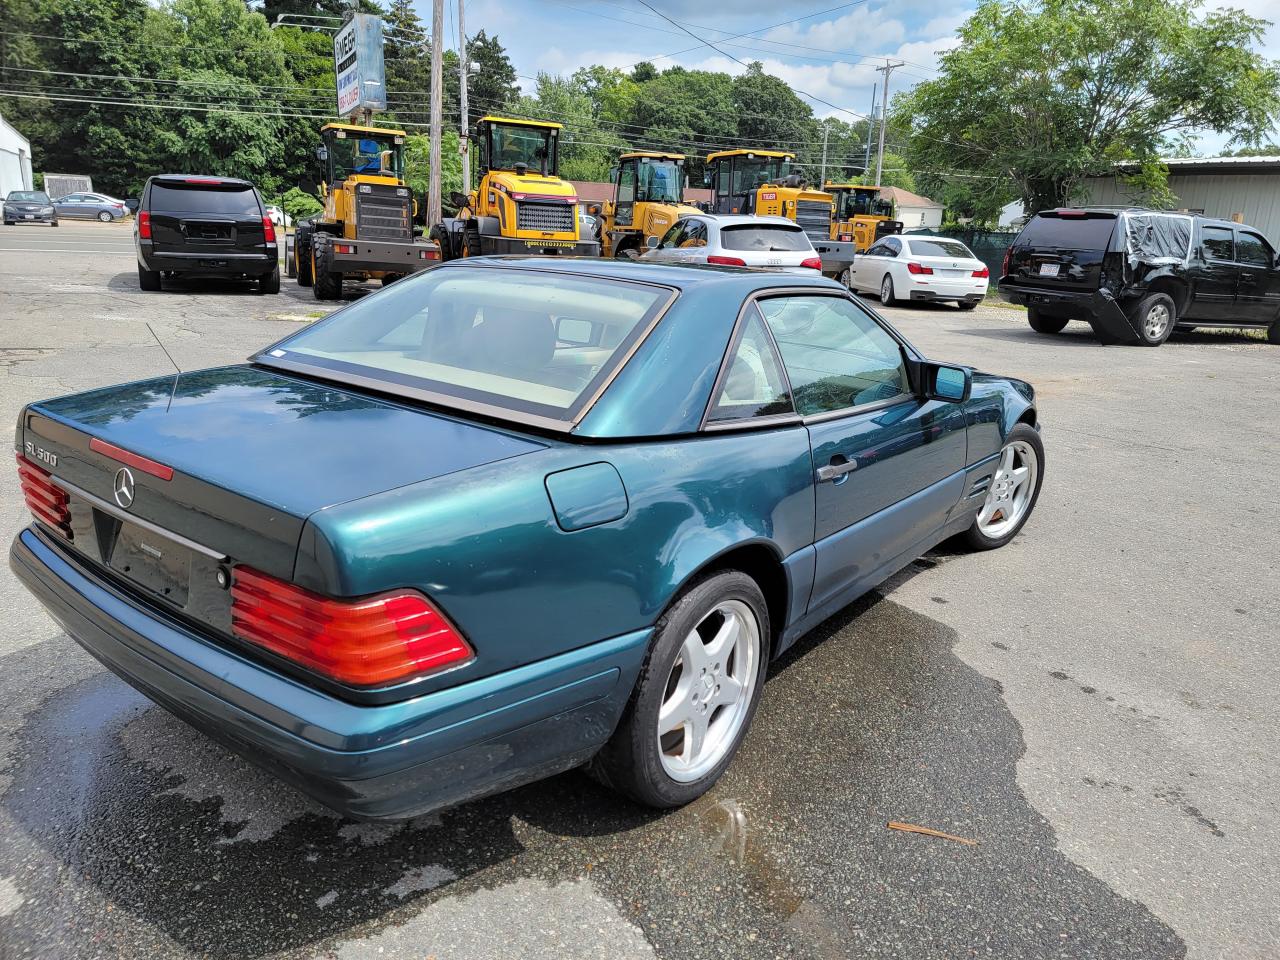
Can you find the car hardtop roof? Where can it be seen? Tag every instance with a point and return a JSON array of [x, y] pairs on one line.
[[727, 219], [1117, 210], [681, 277], [201, 178]]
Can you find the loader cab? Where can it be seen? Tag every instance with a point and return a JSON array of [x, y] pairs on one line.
[[736, 177], [858, 200], [518, 146], [350, 152], [646, 178]]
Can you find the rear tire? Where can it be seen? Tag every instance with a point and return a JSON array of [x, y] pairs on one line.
[[104, 216], [270, 283], [1043, 324], [1156, 317], [148, 279], [391, 278], [302, 257], [887, 298], [326, 282], [682, 678], [968, 304]]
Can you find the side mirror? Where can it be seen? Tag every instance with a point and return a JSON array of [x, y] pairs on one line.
[[706, 178], [945, 382], [322, 153], [652, 243], [459, 200]]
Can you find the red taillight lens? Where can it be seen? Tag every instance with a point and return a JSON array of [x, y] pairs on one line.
[[919, 269], [47, 502], [344, 248], [727, 261], [813, 263], [268, 230], [983, 273], [369, 642], [144, 224]]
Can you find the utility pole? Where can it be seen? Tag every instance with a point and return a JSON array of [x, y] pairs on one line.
[[437, 82], [822, 177], [888, 68], [464, 68], [871, 128]]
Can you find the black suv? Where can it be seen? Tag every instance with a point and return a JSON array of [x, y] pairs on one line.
[[1134, 275], [190, 226]]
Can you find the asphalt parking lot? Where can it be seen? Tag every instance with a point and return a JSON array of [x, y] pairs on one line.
[[1095, 705]]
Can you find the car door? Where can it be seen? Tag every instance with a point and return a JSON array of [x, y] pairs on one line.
[[1258, 286], [888, 464], [866, 264], [669, 246], [69, 206], [1216, 275]]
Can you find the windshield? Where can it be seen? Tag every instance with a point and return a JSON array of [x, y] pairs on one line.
[[518, 340], [368, 154], [27, 196], [509, 145], [764, 238], [749, 174], [861, 203], [660, 181]]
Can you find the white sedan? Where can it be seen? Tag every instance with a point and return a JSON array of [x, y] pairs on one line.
[[920, 268]]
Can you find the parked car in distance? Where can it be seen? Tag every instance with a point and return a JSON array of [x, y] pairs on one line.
[[509, 516], [91, 206], [920, 268], [1136, 275], [737, 240], [278, 216], [29, 206], [193, 226]]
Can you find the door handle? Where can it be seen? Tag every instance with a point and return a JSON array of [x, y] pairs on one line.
[[835, 471]]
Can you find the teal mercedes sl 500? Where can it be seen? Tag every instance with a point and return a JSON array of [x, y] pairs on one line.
[[508, 517]]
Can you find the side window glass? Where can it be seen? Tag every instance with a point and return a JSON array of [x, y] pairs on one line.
[[1253, 250], [672, 236], [1217, 243], [892, 247], [878, 250], [836, 356], [753, 385], [627, 183], [695, 235]]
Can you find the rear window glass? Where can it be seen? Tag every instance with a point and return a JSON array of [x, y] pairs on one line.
[[1068, 233], [175, 199], [940, 248], [760, 238], [535, 343]]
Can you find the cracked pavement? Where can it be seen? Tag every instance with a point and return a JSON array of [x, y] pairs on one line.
[[1095, 704]]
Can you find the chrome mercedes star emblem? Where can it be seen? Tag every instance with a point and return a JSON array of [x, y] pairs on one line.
[[124, 487]]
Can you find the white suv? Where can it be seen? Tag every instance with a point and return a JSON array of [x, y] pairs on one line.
[[738, 241]]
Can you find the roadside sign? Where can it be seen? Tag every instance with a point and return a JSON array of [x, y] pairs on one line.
[[358, 65]]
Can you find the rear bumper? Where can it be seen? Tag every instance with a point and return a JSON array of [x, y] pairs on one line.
[[1110, 322], [964, 292], [232, 263], [389, 761], [384, 256], [837, 256]]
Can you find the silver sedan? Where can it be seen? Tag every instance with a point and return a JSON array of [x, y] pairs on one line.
[[738, 241]]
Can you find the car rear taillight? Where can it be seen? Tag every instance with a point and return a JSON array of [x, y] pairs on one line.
[[202, 181], [726, 261], [48, 503], [344, 248], [144, 224], [983, 273], [919, 269], [846, 238], [369, 642], [268, 230], [813, 263]]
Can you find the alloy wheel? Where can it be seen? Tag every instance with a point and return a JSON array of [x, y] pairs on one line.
[[886, 289], [1011, 490], [1156, 322], [708, 692]]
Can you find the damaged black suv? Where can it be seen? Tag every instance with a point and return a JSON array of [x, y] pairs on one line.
[[1135, 275]]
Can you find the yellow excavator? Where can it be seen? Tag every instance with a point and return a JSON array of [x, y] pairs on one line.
[[767, 183], [648, 197], [365, 231], [860, 215], [520, 204]]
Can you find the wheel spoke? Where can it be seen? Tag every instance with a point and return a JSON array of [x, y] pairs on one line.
[[730, 691], [694, 654], [695, 734], [1020, 476], [676, 709], [1006, 459], [717, 651], [987, 511]]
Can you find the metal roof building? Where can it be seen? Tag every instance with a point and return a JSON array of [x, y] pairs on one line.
[[15, 159], [1246, 189]]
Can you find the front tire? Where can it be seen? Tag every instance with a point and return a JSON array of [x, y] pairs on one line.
[[148, 279], [1156, 317], [1014, 490], [846, 278], [326, 282], [695, 697], [886, 291], [1041, 323]]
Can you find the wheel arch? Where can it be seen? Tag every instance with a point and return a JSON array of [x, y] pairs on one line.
[[1176, 289]]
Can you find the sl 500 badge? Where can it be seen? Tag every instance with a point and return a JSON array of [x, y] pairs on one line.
[[39, 453]]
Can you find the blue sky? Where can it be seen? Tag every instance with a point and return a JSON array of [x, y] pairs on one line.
[[831, 54]]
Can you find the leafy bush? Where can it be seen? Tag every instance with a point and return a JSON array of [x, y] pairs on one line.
[[299, 204]]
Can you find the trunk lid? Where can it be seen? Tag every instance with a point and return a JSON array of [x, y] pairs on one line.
[[1063, 250], [193, 215], [253, 453]]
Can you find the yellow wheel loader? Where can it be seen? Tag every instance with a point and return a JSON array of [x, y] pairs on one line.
[[648, 197], [520, 204], [859, 215], [766, 183], [365, 231]]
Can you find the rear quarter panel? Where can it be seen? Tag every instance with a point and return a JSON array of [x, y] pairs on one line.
[[485, 545]]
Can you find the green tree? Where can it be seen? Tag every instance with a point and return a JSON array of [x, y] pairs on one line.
[[417, 166], [587, 148], [298, 204], [895, 172], [492, 84], [1046, 92], [771, 114]]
